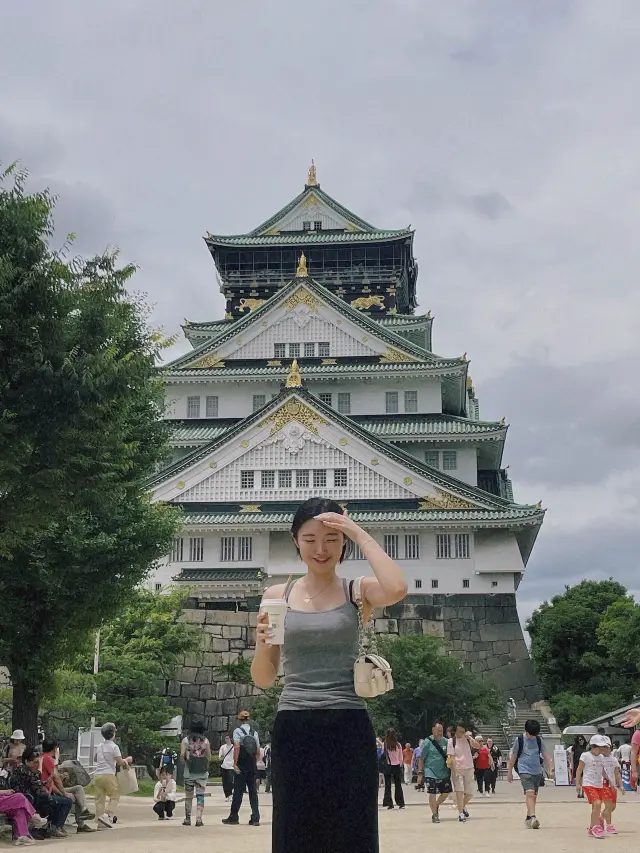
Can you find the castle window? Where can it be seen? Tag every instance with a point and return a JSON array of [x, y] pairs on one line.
[[177, 550], [294, 350], [340, 477], [258, 401], [326, 398], [158, 587], [434, 584], [212, 407], [324, 349], [279, 350], [356, 553], [432, 457], [418, 584], [193, 407], [302, 478], [227, 549], [391, 403], [317, 224], [245, 549], [410, 402], [246, 479], [494, 583], [196, 549], [450, 547], [449, 460], [309, 350], [412, 546], [306, 225], [319, 479], [465, 583], [268, 479], [391, 545], [344, 403], [285, 479]]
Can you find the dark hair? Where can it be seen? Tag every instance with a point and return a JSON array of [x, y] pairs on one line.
[[460, 726], [532, 727], [616, 743], [437, 723], [391, 740], [196, 728], [29, 754], [49, 745], [309, 510]]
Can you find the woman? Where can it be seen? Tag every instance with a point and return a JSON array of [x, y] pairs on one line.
[[324, 748], [484, 767], [407, 761], [104, 778], [12, 755], [579, 746], [21, 813], [392, 758], [226, 766], [496, 756], [195, 752]]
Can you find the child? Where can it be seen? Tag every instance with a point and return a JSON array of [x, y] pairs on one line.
[[612, 781], [590, 780], [164, 795]]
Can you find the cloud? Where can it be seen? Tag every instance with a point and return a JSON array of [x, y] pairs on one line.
[[504, 132]]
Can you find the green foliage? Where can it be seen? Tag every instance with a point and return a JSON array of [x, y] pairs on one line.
[[430, 684], [238, 671], [583, 642], [264, 710], [80, 433]]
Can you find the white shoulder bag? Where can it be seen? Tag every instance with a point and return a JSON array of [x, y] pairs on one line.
[[371, 672]]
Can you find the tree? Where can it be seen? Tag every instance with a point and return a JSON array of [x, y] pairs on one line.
[[619, 634], [139, 651], [264, 710], [80, 432], [429, 684]]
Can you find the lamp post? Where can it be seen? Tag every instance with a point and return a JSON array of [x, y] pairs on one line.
[[94, 698]]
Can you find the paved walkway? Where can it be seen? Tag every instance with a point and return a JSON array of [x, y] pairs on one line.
[[494, 823]]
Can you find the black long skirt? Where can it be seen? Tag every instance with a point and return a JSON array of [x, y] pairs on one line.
[[325, 783]]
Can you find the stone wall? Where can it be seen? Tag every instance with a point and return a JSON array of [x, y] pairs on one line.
[[484, 631]]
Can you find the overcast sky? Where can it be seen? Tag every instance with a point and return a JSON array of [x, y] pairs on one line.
[[505, 131]]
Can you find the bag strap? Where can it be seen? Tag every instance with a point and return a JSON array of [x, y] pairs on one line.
[[520, 746], [288, 588], [367, 642], [438, 747]]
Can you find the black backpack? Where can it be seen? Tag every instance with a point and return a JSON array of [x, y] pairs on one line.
[[249, 743]]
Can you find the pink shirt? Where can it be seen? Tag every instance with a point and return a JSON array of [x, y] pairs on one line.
[[462, 754], [635, 740], [394, 756]]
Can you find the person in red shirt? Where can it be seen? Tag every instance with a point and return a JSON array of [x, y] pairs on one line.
[[483, 767], [55, 787]]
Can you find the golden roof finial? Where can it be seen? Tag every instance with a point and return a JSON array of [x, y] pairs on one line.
[[469, 383], [294, 379], [502, 420], [312, 180], [301, 272], [539, 505]]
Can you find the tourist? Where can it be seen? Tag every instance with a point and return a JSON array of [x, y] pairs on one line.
[[380, 753], [590, 779], [496, 756], [27, 780], [434, 771], [529, 757], [633, 758], [612, 783], [246, 749], [624, 756], [55, 785], [267, 764], [12, 754], [195, 752], [579, 746], [164, 795], [166, 759], [407, 761], [460, 761], [104, 777], [261, 768], [225, 755], [392, 763], [417, 752], [483, 767], [22, 815], [324, 755]]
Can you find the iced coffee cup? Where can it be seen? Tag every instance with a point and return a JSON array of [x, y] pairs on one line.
[[276, 610]]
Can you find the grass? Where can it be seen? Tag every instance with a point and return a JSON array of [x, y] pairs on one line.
[[146, 788]]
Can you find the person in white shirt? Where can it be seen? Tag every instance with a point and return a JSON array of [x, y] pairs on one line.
[[612, 782], [590, 779], [624, 753], [225, 754], [164, 796], [104, 778]]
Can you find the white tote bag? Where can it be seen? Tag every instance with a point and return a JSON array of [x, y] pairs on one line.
[[127, 781]]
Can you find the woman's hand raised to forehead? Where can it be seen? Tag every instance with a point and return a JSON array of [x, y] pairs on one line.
[[343, 524]]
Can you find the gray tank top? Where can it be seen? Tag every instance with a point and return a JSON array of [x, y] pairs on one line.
[[318, 656]]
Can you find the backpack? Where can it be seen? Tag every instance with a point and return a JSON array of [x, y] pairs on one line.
[[197, 761], [521, 747], [249, 743]]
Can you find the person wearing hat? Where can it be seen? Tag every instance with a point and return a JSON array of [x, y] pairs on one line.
[[590, 779], [246, 746], [12, 757]]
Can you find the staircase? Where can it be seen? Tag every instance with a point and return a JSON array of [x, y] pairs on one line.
[[505, 733]]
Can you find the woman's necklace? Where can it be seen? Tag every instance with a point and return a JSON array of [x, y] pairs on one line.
[[311, 597]]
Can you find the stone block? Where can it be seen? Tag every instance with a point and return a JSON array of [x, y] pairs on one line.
[[482, 655], [192, 616], [230, 617], [426, 611], [230, 706], [494, 633], [450, 612], [410, 626], [248, 653], [232, 632], [212, 708], [518, 650], [212, 659], [193, 660], [208, 691], [500, 648], [432, 628], [195, 707], [251, 636], [467, 646], [219, 724], [253, 620], [493, 663], [479, 666], [237, 645], [456, 645], [212, 617], [243, 690], [173, 688], [214, 630], [191, 691], [457, 625], [205, 675], [381, 626], [219, 645], [225, 690], [472, 656], [466, 613], [230, 657], [186, 674]]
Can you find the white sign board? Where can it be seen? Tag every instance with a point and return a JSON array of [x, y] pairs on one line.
[[560, 765]]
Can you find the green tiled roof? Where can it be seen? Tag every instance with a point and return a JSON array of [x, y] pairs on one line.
[[220, 575], [402, 320], [437, 517], [452, 367], [358, 317], [394, 426], [323, 196], [304, 238], [207, 325]]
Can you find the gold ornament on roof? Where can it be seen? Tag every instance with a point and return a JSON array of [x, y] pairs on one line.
[[249, 507], [539, 505], [301, 297], [301, 272], [469, 383], [502, 421], [445, 500], [394, 356], [251, 304], [294, 379], [294, 410], [365, 302], [312, 179], [208, 361]]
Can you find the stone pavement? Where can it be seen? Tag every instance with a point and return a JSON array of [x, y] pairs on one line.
[[494, 823]]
